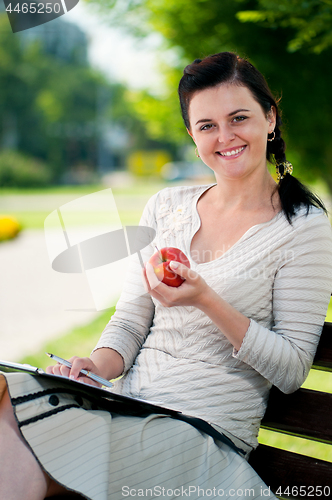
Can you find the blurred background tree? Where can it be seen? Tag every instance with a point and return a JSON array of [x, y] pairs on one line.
[[61, 120], [58, 110], [288, 40], [311, 21], [39, 91]]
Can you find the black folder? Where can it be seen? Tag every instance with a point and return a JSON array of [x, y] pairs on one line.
[[117, 403], [103, 397]]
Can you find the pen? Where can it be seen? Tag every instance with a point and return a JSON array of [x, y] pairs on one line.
[[88, 374]]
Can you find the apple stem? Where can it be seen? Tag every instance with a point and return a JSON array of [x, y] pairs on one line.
[[161, 258]]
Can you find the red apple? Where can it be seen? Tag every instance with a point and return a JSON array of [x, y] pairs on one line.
[[160, 263]]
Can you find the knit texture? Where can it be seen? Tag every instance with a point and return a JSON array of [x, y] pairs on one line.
[[278, 275]]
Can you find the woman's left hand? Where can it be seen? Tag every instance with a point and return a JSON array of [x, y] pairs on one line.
[[189, 293], [194, 291]]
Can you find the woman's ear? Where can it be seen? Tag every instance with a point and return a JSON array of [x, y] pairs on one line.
[[272, 116], [190, 134]]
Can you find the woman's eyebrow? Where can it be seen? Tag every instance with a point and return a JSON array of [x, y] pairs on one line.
[[203, 120], [238, 111], [230, 114]]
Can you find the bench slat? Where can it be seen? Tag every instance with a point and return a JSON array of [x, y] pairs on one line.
[[304, 413], [323, 358], [280, 468]]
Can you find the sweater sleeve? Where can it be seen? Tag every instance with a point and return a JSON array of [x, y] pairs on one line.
[[301, 294], [130, 324]]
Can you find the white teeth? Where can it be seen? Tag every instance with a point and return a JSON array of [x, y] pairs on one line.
[[232, 153]]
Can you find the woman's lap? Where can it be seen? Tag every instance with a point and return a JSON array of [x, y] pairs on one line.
[[109, 456]]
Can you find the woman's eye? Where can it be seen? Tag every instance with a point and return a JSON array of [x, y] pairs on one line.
[[239, 118], [207, 126]]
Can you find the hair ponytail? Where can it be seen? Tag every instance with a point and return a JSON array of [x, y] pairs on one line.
[[227, 67], [293, 194]]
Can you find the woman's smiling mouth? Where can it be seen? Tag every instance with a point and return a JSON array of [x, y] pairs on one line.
[[231, 152]]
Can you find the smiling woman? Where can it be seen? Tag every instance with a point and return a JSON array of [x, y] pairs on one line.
[[238, 99], [248, 315], [230, 132]]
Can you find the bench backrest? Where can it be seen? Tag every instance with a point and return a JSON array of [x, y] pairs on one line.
[[307, 414]]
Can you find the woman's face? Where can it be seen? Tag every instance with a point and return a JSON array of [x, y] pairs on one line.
[[230, 129]]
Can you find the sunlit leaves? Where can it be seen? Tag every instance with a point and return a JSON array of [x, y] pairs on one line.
[[310, 19]]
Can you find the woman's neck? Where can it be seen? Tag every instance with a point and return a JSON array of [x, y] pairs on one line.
[[243, 195]]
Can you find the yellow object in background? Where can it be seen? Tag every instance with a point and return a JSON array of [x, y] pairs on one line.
[[147, 162], [9, 227]]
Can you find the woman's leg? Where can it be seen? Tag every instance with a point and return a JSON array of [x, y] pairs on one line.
[[20, 474]]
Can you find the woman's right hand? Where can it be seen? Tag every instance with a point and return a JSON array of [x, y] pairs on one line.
[[73, 373]]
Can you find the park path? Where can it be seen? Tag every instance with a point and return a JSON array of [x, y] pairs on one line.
[[36, 303]]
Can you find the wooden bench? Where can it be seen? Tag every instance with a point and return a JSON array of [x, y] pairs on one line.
[[304, 413]]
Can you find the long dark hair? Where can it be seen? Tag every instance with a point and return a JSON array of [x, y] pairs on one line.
[[228, 67]]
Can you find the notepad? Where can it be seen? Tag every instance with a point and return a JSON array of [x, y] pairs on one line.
[[102, 396], [106, 399]]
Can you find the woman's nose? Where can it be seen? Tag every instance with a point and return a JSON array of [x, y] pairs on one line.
[[225, 134]]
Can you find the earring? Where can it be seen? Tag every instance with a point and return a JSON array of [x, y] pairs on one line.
[[283, 168], [274, 134], [197, 153]]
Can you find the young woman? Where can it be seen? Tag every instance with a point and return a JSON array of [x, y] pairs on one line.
[[248, 316]]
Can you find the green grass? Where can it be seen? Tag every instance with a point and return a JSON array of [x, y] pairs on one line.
[[79, 342], [35, 220], [130, 201], [29, 220], [140, 186], [296, 445], [84, 189]]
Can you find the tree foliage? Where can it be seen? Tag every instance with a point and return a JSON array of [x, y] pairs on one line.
[[310, 19], [196, 28], [38, 91], [55, 110]]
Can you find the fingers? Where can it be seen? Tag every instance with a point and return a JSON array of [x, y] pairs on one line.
[[74, 372], [152, 282], [187, 293], [184, 271], [79, 364], [89, 381], [58, 369]]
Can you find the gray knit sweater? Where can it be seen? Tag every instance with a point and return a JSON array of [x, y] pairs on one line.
[[278, 275]]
